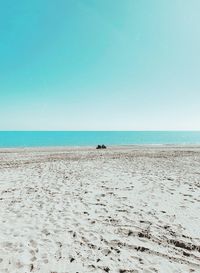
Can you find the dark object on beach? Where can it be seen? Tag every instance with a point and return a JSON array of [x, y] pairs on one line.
[[98, 147], [101, 147]]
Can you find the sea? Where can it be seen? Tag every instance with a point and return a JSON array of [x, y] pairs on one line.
[[15, 139]]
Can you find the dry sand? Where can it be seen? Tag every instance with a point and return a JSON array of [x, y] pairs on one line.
[[130, 209]]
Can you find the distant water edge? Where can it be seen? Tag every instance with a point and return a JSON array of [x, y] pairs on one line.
[[15, 139]]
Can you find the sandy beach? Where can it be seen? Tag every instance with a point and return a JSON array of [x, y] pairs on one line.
[[123, 209]]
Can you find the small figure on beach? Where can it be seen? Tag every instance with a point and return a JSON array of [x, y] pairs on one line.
[[101, 147], [98, 147]]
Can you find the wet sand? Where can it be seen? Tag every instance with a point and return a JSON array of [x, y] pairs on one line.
[[123, 209]]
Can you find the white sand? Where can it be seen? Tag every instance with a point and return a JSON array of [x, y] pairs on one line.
[[133, 209]]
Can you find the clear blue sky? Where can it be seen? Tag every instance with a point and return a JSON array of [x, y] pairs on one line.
[[100, 65]]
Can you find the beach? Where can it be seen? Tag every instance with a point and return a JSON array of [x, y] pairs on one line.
[[122, 209]]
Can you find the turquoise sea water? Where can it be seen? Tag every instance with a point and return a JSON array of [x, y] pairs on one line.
[[92, 138]]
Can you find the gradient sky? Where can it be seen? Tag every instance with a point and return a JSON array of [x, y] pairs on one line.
[[100, 65]]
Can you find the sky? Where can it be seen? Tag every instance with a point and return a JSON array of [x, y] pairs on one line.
[[100, 65]]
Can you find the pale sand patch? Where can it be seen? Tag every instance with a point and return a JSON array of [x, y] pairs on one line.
[[124, 209]]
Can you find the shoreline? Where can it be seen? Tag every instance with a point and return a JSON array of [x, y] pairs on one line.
[[90, 147]]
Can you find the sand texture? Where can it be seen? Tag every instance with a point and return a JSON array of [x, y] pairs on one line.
[[131, 209]]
